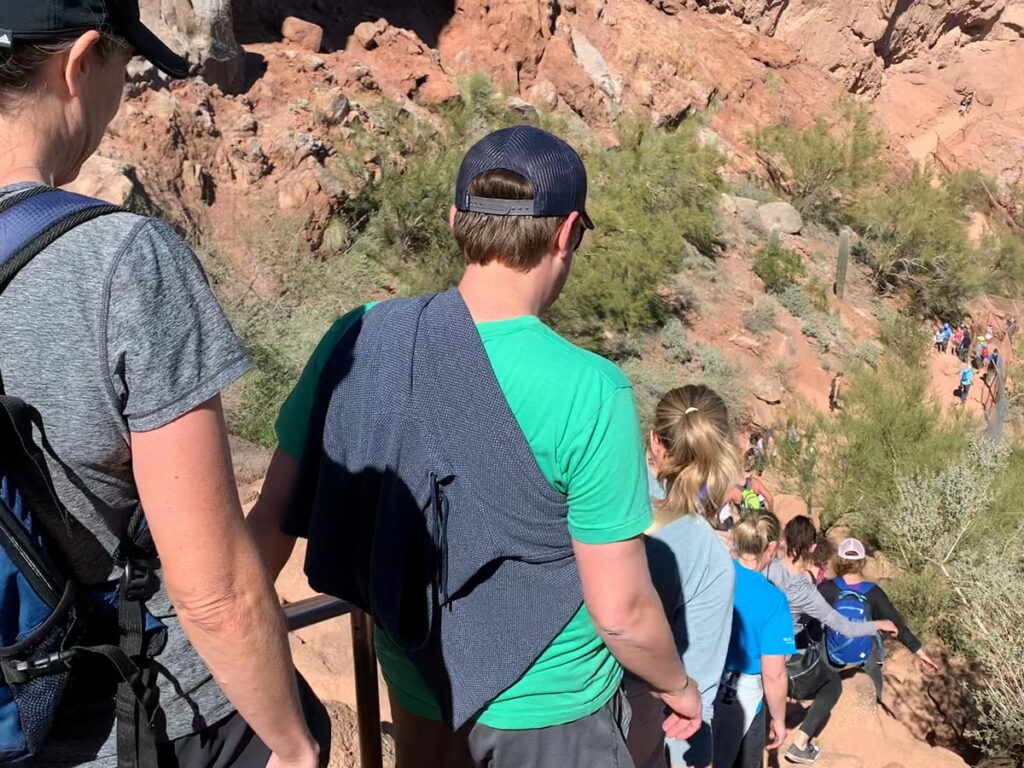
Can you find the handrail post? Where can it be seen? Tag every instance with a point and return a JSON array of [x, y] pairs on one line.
[[371, 753]]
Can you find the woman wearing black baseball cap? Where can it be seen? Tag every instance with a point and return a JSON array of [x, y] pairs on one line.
[[112, 334]]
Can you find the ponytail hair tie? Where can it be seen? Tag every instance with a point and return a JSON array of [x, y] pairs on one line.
[[690, 410]]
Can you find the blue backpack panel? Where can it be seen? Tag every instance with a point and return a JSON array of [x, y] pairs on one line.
[[852, 603]]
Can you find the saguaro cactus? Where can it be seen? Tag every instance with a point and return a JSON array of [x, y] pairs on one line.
[[844, 259]]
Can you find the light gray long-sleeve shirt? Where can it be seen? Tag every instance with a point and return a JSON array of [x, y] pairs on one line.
[[805, 601]]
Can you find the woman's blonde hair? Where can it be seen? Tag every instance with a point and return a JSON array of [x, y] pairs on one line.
[[701, 461], [755, 532]]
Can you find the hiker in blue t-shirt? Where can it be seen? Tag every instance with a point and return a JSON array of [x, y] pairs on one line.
[[850, 594], [755, 667], [966, 376]]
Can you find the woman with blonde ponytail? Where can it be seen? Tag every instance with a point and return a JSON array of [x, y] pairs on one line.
[[694, 463], [762, 637]]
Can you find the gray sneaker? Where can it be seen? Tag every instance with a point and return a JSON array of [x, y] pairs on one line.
[[804, 756]]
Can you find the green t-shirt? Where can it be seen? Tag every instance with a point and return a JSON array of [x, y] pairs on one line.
[[579, 417]]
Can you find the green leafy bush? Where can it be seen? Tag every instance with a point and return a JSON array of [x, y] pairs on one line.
[[869, 352], [778, 266], [917, 243], [888, 427], [760, 319], [822, 168]]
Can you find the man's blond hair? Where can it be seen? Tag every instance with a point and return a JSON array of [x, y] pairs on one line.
[[519, 242]]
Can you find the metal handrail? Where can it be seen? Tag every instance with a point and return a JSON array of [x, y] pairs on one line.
[[313, 610]]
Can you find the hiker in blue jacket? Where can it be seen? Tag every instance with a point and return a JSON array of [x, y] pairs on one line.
[[966, 376], [862, 600]]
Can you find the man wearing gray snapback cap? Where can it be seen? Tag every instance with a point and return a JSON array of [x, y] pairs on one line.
[[109, 331], [477, 484]]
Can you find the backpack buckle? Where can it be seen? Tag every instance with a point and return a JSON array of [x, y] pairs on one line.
[[25, 670], [137, 580]]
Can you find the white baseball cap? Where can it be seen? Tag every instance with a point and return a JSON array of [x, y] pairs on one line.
[[851, 549]]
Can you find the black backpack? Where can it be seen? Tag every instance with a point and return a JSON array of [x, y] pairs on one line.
[[49, 623]]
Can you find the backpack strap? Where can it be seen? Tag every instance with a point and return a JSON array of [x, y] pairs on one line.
[[32, 220]]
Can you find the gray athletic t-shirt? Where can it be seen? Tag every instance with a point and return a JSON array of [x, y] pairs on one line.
[[112, 330]]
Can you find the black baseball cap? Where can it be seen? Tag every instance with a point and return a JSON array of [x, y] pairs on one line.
[[552, 167], [36, 21]]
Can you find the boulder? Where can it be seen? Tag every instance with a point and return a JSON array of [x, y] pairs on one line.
[[113, 182], [543, 93], [203, 30], [781, 216], [368, 32], [766, 389], [749, 343], [746, 210], [437, 90], [302, 34]]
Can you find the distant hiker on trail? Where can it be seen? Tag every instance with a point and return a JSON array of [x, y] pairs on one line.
[[695, 462], [501, 552], [131, 544], [752, 495], [861, 600], [834, 392], [966, 376], [955, 340], [942, 335], [755, 667], [810, 677], [1011, 328], [980, 352], [965, 346]]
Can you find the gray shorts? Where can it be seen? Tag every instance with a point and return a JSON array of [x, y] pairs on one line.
[[596, 741]]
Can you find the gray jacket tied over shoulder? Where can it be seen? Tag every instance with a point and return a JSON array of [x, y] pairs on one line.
[[424, 505]]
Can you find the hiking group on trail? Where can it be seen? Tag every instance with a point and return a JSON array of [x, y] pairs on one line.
[[984, 358], [549, 588]]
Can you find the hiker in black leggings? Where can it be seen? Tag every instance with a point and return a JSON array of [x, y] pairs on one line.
[[809, 674], [849, 567]]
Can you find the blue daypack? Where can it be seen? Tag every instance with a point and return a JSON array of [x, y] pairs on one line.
[[49, 622], [852, 603]]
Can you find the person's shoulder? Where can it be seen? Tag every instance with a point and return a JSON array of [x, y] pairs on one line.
[[574, 361]]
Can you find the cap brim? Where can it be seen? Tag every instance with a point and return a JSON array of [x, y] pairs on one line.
[[151, 47], [585, 218]]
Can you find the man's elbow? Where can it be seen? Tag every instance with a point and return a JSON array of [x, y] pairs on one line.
[[619, 619]]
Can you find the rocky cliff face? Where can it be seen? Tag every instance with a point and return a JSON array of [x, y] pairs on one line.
[[859, 41]]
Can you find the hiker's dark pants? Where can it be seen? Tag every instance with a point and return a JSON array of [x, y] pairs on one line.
[[873, 668], [749, 752], [819, 682], [231, 743], [964, 391]]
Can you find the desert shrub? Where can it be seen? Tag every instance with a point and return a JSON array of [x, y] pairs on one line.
[[797, 447], [869, 352], [917, 243], [1002, 254], [818, 293], [889, 427], [650, 383], [760, 319], [928, 532], [711, 368], [778, 266], [654, 201], [822, 168], [798, 303], [673, 339]]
